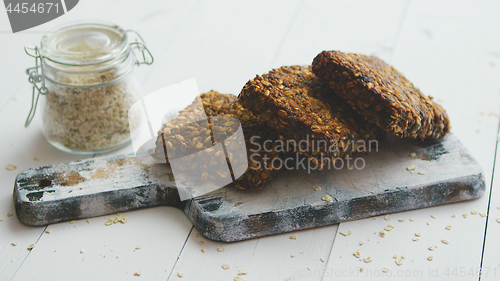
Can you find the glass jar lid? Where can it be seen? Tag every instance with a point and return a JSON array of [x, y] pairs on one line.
[[82, 44]]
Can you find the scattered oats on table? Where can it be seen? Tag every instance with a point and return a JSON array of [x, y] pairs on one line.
[[201, 242], [9, 215], [322, 259], [238, 278], [346, 233], [30, 247], [385, 269], [453, 216], [361, 243], [357, 254], [401, 220], [448, 227], [327, 198], [220, 249], [412, 220], [293, 237], [138, 273], [382, 234], [82, 251], [203, 250], [242, 272], [421, 173], [180, 274], [389, 227], [387, 218], [433, 216], [14, 244], [226, 266], [316, 188], [109, 222], [367, 260], [445, 241], [197, 235], [399, 262], [292, 256], [138, 247], [411, 168], [10, 167], [464, 215], [498, 220], [413, 154], [483, 214], [418, 234], [72, 222], [473, 212], [430, 258], [415, 239]]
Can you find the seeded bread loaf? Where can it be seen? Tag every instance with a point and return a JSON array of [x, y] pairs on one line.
[[294, 103], [191, 132], [382, 95]]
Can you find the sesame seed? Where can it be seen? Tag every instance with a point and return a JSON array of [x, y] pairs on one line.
[[418, 234], [387, 218], [399, 262], [401, 220], [226, 266], [445, 241], [82, 251], [293, 237], [448, 227], [180, 274], [203, 250], [138, 273], [473, 212], [346, 233], [108, 223], [403, 257], [242, 272], [357, 254], [389, 227], [292, 256], [395, 256], [220, 249], [483, 214], [48, 231], [433, 216], [361, 243], [412, 220], [138, 247], [431, 248], [430, 258], [421, 173], [10, 167], [30, 247], [415, 239], [385, 269], [201, 242], [411, 168], [14, 244], [361, 270], [327, 198], [322, 259], [367, 260], [464, 215], [316, 188], [238, 278]]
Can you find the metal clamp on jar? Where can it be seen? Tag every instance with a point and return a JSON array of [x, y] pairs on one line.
[[84, 71]]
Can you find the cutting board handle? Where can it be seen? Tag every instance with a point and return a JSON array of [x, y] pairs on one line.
[[92, 187]]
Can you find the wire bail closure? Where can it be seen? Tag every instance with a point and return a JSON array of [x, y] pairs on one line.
[[147, 57], [36, 78]]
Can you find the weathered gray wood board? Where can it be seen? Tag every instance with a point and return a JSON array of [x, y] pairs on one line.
[[107, 185]]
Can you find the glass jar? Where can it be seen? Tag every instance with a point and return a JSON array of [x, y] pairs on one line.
[[84, 72]]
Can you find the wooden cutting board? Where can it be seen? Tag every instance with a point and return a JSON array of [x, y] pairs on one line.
[[101, 186]]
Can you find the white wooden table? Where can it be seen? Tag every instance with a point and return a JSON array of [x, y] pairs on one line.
[[450, 49]]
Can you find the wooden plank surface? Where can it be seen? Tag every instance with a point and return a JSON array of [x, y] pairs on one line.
[[450, 51], [434, 54]]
